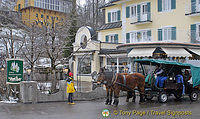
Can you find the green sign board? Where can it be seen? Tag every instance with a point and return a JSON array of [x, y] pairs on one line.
[[14, 70]]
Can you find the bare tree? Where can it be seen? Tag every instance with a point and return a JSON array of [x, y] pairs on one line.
[[54, 40]]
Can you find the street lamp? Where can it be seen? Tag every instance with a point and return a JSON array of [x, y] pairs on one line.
[[2, 69], [65, 71], [29, 73]]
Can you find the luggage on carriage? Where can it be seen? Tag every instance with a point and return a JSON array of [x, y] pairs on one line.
[[175, 83]]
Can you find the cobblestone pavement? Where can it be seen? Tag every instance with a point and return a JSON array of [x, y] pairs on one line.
[[93, 110]]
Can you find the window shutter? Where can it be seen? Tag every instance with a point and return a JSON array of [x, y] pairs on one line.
[[138, 12], [127, 12], [173, 4], [109, 17], [127, 37], [159, 5], [116, 38], [107, 39], [149, 35], [159, 34], [149, 11], [19, 7], [193, 6], [118, 15], [193, 33], [173, 33]]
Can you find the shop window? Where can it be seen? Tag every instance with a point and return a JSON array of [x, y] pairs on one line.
[[84, 65]]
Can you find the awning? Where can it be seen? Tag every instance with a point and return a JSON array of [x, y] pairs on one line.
[[176, 52], [196, 51], [141, 52]]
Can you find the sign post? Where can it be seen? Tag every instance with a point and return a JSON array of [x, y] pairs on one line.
[[14, 71]]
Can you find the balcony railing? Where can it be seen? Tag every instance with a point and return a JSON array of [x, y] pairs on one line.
[[142, 18], [192, 9]]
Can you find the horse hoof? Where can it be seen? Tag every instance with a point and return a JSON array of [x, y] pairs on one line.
[[141, 102], [106, 103], [127, 100], [115, 105]]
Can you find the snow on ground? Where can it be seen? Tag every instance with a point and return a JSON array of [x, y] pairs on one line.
[[11, 100]]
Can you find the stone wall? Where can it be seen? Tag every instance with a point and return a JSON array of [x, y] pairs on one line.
[[30, 94]]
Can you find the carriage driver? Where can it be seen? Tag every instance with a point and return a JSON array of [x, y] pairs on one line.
[[160, 76]]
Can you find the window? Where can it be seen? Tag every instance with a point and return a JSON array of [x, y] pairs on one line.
[[166, 5], [198, 32], [140, 36], [26, 3], [114, 17], [144, 8], [133, 11], [36, 15], [41, 15], [167, 33], [84, 65], [112, 64], [52, 4], [112, 38], [47, 17], [118, 65]]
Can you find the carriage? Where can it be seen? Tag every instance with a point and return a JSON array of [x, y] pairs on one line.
[[170, 85]]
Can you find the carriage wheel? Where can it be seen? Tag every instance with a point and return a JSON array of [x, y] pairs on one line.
[[162, 97], [149, 96], [194, 95]]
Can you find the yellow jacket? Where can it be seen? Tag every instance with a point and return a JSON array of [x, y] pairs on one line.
[[70, 87]]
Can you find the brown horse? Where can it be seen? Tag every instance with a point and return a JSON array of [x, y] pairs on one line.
[[129, 83], [125, 82]]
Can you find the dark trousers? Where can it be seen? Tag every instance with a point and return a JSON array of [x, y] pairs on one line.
[[70, 97]]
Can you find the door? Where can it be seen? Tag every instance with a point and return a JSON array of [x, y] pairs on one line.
[[144, 36], [144, 11]]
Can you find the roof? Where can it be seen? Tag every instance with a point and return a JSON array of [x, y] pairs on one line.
[[111, 25], [107, 4], [112, 51], [158, 44], [155, 62], [195, 71]]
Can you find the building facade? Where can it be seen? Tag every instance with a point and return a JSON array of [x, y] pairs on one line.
[[41, 12], [167, 29]]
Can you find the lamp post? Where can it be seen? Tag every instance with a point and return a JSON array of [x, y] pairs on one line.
[[29, 73], [2, 69], [65, 71]]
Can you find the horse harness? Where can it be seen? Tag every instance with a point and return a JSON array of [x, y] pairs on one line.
[[124, 84]]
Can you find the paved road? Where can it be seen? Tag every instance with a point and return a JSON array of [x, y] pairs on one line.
[[93, 109]]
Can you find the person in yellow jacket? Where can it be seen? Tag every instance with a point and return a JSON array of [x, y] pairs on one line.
[[70, 88]]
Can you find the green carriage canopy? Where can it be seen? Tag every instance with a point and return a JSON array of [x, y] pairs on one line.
[[195, 71]]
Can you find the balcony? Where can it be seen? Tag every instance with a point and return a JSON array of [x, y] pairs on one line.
[[142, 18], [193, 9]]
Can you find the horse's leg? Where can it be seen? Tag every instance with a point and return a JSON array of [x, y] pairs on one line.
[[116, 96], [107, 92], [110, 98], [133, 93], [129, 95], [141, 90]]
